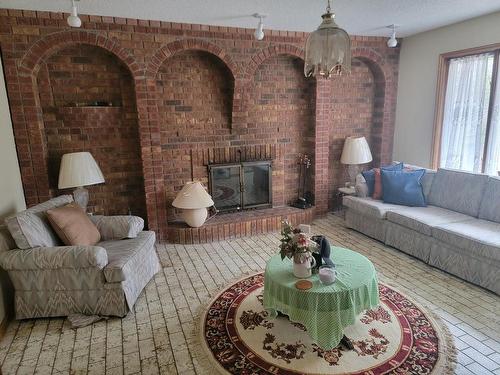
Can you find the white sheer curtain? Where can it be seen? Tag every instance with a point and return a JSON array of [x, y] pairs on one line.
[[492, 165], [466, 112]]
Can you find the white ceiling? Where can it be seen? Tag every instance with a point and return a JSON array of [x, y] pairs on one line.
[[358, 17]]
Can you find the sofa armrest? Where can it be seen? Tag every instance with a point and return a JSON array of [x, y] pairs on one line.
[[118, 227], [54, 258]]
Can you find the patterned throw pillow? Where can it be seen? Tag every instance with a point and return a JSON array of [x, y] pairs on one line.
[[30, 228]]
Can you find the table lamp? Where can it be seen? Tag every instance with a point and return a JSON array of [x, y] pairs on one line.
[[193, 199], [79, 169], [356, 151]]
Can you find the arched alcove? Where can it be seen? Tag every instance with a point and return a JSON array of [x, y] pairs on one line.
[[194, 97], [87, 98], [281, 110], [357, 102]]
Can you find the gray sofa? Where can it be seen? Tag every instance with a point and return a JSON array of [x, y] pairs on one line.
[[53, 280], [458, 232]]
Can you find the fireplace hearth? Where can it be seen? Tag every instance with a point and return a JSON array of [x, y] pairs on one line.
[[241, 186]]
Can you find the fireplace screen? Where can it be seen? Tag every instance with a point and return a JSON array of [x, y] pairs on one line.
[[241, 186]]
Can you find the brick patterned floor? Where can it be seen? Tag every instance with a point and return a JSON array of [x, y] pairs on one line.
[[158, 337]]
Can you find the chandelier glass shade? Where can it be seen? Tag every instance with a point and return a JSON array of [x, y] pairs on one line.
[[328, 49]]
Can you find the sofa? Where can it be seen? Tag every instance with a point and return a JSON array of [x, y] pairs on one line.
[[458, 232], [51, 280]]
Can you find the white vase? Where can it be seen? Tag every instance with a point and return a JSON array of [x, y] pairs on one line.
[[302, 270]]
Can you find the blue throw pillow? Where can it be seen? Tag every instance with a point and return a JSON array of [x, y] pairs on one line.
[[370, 175], [403, 187]]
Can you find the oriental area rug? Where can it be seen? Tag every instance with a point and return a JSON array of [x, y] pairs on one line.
[[398, 337]]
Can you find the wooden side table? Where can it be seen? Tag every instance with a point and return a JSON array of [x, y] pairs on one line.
[[347, 191]]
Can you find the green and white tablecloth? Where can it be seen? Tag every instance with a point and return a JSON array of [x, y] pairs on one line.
[[325, 310]]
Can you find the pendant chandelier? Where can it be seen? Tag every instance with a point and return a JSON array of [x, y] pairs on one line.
[[328, 49]]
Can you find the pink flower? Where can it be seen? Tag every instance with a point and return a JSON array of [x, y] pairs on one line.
[[302, 240]]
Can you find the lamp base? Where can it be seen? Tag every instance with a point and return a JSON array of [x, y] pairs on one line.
[[195, 217], [81, 196], [353, 170]]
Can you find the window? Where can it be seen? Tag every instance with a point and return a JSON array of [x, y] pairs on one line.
[[467, 134]]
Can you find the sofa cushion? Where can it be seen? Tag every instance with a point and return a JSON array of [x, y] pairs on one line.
[[426, 181], [423, 219], [30, 228], [458, 191], [126, 256], [490, 204], [369, 206], [476, 236]]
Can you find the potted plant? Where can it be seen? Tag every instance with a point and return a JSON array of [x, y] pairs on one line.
[[297, 246]]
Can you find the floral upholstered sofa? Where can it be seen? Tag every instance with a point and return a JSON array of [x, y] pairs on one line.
[[458, 231], [53, 280]]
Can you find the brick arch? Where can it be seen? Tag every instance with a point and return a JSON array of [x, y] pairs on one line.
[[243, 87], [375, 62], [51, 43], [170, 49], [35, 172], [383, 126], [263, 55]]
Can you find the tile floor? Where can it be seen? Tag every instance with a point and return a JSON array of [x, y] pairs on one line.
[[159, 336]]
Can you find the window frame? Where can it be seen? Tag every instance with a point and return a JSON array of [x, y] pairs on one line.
[[442, 85]]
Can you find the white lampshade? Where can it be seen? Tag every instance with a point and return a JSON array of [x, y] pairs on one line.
[[356, 151], [192, 196], [79, 169]]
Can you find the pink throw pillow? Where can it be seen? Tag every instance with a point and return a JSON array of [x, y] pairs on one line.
[[377, 188], [73, 226]]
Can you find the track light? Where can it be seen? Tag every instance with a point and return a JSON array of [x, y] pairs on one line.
[[259, 31], [392, 42], [73, 19]]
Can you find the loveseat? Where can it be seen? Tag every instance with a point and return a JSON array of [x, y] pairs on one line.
[[458, 231], [52, 280]]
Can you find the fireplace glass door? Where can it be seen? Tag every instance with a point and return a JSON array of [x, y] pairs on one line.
[[241, 186]]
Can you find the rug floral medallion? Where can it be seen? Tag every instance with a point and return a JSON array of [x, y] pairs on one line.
[[397, 337]]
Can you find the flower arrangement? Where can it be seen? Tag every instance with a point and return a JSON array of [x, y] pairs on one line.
[[295, 244]]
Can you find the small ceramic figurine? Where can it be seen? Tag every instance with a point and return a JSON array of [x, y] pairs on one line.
[[324, 251]]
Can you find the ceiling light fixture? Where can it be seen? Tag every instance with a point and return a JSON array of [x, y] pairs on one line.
[[392, 42], [259, 31], [328, 49], [73, 19]]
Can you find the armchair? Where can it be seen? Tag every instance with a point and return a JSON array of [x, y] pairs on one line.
[[52, 280]]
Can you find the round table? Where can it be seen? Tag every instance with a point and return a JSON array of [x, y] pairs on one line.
[[325, 310]]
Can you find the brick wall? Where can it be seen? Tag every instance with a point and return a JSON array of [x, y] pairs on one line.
[[195, 94], [259, 80], [281, 110], [68, 83], [353, 99]]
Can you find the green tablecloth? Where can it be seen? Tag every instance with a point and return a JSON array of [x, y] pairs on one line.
[[325, 310]]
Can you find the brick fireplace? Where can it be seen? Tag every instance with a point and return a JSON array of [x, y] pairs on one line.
[[156, 103]]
